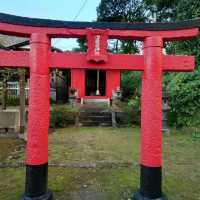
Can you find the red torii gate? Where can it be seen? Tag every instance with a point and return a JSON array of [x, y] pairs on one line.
[[40, 60]]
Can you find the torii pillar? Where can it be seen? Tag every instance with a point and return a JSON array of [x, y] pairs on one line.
[[151, 121], [151, 118], [38, 124]]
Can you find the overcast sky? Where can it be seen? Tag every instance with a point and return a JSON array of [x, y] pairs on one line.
[[68, 10]]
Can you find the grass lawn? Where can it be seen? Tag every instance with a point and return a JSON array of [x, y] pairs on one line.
[[181, 166]]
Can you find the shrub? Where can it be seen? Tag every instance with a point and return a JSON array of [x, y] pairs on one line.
[[52, 101], [185, 99], [12, 101], [127, 114], [130, 84], [62, 116]]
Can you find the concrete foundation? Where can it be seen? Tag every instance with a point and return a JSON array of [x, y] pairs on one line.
[[10, 120]]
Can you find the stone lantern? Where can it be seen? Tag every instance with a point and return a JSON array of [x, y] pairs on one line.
[[116, 96], [72, 97]]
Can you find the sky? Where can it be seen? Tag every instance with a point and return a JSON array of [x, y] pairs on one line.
[[67, 10]]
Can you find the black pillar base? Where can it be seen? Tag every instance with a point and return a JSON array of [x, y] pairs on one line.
[[47, 196], [139, 196], [150, 184], [37, 183]]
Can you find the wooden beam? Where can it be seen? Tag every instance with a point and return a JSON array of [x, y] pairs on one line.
[[78, 60], [178, 63], [23, 26], [14, 58]]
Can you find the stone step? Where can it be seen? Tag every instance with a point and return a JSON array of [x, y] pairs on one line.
[[95, 109], [98, 118], [92, 123], [94, 114], [104, 102], [95, 122]]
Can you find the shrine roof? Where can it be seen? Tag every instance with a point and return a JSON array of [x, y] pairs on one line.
[[36, 22], [7, 41]]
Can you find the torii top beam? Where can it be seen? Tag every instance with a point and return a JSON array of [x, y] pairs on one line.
[[24, 26]]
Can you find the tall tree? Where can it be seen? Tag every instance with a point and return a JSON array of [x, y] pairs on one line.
[[120, 10], [161, 11], [184, 87]]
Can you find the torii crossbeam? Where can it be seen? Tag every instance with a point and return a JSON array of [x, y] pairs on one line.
[[40, 60]]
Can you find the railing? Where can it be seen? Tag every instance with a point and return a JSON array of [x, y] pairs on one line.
[[13, 90]]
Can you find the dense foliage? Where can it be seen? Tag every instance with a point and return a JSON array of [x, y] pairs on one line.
[[120, 10], [184, 88]]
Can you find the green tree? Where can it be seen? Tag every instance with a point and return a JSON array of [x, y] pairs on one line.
[[82, 43], [184, 87], [161, 11], [121, 10]]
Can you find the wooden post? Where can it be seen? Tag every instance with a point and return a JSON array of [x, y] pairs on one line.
[[151, 122], [22, 100], [38, 120], [4, 90]]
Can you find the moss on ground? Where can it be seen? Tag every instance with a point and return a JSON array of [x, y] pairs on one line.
[[8, 146], [94, 144]]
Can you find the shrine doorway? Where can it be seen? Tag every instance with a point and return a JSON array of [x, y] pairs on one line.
[[95, 83]]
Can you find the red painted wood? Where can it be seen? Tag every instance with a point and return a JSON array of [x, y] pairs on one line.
[[166, 35], [79, 60], [19, 30], [113, 79], [112, 83], [151, 103], [97, 45], [153, 63], [120, 61], [178, 63], [38, 117], [14, 58], [78, 81]]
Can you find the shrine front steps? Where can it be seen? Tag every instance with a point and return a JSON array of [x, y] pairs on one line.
[[96, 102], [95, 116]]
